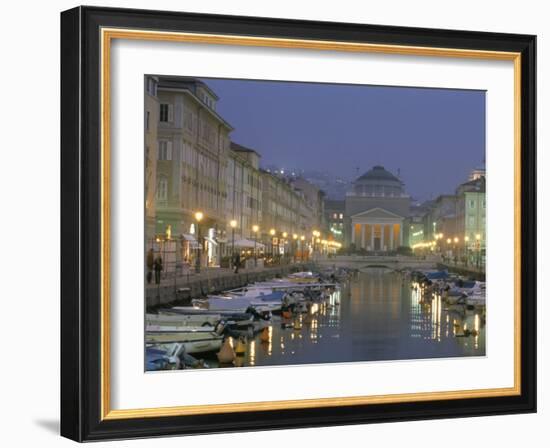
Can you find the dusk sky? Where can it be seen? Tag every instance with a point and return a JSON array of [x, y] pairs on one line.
[[433, 136]]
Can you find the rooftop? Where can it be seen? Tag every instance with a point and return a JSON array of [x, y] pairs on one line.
[[378, 172], [240, 148]]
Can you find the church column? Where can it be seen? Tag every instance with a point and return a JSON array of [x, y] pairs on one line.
[[391, 237], [382, 231], [372, 236], [401, 234], [352, 233], [363, 226]]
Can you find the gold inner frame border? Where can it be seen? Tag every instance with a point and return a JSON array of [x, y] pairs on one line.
[[107, 35]]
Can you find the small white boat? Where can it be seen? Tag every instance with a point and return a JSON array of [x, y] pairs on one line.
[[476, 301], [151, 329], [454, 297], [182, 320], [477, 297], [193, 342], [237, 304]]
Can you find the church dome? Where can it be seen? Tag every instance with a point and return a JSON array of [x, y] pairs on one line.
[[378, 182], [378, 173]]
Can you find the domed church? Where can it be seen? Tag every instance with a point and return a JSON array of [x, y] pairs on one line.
[[376, 208]]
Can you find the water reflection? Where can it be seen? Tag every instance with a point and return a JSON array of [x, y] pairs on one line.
[[378, 315]]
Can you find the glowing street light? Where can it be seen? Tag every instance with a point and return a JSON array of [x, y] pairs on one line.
[[294, 246], [272, 232], [255, 229], [198, 217], [478, 249], [233, 225]]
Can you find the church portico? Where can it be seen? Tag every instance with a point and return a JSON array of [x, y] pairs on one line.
[[375, 210], [377, 230]]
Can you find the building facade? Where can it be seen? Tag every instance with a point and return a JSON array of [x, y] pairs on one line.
[[246, 198], [313, 197], [471, 219], [150, 159], [453, 224], [334, 219], [192, 152], [375, 212], [192, 166], [281, 213]]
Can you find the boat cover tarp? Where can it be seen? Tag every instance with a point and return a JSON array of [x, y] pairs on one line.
[[437, 275]]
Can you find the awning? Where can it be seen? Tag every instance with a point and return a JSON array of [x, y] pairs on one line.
[[243, 242], [193, 244]]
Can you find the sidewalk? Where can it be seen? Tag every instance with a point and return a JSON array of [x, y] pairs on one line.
[[468, 267], [206, 274]]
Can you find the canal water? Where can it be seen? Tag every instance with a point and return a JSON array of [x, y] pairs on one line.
[[375, 316]]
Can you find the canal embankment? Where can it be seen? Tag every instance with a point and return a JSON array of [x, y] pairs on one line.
[[463, 271], [180, 290]]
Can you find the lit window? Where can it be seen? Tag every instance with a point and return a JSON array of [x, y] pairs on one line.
[[341, 216]]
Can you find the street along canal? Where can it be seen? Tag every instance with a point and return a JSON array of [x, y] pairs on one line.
[[375, 316]]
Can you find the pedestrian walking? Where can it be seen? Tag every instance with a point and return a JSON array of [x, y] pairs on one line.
[[157, 266], [237, 263], [150, 264]]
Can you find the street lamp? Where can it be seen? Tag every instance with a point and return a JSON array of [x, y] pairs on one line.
[[316, 235], [168, 237], [255, 229], [233, 225], [198, 218], [272, 233], [285, 236], [294, 246]]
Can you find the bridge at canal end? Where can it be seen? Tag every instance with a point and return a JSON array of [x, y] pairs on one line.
[[362, 262]]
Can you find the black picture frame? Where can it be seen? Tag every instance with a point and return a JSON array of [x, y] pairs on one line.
[[81, 224]]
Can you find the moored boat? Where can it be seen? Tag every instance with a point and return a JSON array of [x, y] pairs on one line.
[[193, 342], [193, 320]]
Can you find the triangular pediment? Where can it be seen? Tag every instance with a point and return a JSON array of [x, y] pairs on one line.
[[378, 213]]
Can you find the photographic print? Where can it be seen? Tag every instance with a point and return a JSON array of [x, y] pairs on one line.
[[293, 223]]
